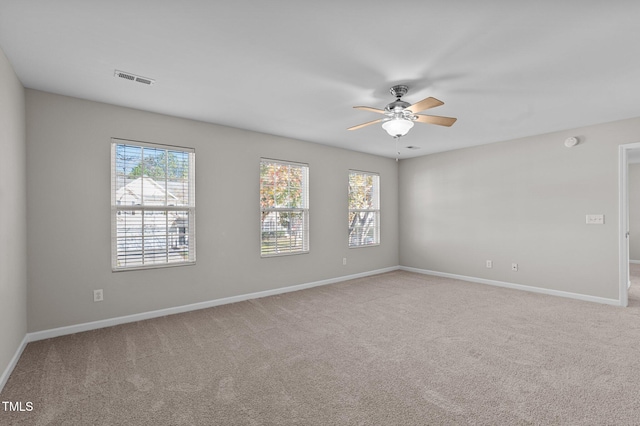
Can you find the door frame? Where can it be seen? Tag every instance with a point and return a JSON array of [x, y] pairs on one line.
[[623, 222]]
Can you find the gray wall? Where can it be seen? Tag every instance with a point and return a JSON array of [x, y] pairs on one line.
[[634, 212], [520, 201], [68, 184], [13, 233]]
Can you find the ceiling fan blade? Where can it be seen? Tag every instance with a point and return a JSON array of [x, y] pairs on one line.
[[425, 104], [359, 126], [434, 119], [366, 108]]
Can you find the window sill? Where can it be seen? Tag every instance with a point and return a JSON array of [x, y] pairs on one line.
[[161, 266], [266, 256], [364, 246]]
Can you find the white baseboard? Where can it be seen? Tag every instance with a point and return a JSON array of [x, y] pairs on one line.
[[567, 294], [12, 364], [94, 325]]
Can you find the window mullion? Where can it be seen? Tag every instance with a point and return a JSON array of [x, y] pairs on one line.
[[143, 238], [166, 203]]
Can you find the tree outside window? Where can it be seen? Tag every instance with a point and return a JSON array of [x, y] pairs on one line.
[[284, 208], [364, 208]]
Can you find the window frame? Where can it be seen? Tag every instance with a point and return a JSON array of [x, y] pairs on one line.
[[376, 211], [166, 208], [305, 245]]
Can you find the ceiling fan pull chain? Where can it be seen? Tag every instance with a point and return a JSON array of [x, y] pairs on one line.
[[397, 149]]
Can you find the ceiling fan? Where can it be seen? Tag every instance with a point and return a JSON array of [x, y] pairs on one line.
[[400, 115]]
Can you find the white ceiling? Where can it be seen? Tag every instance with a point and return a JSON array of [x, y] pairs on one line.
[[506, 69]]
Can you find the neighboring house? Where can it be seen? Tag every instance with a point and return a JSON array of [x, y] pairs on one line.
[[272, 224], [154, 194], [152, 230]]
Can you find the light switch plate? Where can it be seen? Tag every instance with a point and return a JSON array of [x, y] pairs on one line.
[[595, 219]]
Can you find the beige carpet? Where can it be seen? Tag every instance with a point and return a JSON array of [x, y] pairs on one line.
[[393, 349]]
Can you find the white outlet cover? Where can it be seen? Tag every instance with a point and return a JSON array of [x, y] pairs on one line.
[[595, 219]]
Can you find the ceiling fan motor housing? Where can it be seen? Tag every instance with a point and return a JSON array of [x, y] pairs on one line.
[[398, 106]]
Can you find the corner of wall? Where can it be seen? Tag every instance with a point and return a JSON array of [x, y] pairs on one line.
[[13, 280]]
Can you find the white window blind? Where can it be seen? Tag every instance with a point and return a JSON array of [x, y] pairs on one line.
[[364, 208], [153, 205], [284, 208]]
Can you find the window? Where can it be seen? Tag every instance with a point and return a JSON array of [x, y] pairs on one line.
[[284, 208], [152, 205], [364, 209]]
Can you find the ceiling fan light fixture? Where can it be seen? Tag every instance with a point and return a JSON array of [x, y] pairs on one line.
[[397, 127]]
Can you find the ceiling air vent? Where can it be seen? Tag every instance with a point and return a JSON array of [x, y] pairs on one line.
[[133, 77]]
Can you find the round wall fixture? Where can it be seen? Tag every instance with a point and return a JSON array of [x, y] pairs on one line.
[[572, 141]]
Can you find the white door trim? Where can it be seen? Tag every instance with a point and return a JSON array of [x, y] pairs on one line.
[[623, 222]]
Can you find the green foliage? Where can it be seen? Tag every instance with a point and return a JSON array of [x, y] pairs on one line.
[[362, 196], [361, 191], [281, 186], [161, 164]]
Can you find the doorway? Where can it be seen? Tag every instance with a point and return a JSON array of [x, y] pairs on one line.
[[628, 154]]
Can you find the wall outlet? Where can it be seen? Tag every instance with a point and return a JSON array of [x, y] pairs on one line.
[[98, 296], [595, 219], [489, 264], [514, 267], [344, 260]]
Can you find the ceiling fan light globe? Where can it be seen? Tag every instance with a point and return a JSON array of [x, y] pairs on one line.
[[397, 126]]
